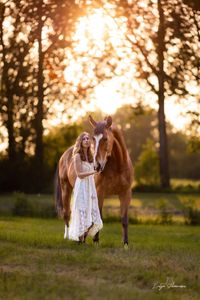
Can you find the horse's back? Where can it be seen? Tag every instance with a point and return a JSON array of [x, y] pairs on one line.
[[66, 167]]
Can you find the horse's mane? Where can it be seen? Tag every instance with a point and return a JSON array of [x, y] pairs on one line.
[[119, 149]]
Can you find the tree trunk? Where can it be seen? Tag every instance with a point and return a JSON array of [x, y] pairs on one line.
[[6, 92], [163, 150], [10, 128], [39, 114]]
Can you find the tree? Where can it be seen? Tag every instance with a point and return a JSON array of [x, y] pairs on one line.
[[162, 36], [16, 69], [33, 59], [60, 17]]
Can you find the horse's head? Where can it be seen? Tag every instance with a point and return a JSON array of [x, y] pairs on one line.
[[103, 142]]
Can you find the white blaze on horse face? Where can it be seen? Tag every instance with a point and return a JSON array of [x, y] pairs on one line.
[[97, 139]]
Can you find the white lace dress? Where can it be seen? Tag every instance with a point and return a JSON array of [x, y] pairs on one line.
[[84, 208]]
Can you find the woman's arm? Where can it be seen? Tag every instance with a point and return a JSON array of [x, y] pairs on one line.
[[78, 168]]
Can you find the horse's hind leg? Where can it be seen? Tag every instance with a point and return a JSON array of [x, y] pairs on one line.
[[66, 197], [125, 199]]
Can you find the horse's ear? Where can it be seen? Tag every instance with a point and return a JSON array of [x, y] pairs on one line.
[[92, 121], [108, 121]]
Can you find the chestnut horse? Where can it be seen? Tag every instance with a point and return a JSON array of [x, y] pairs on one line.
[[115, 174]]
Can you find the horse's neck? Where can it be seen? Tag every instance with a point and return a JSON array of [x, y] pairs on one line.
[[118, 155]]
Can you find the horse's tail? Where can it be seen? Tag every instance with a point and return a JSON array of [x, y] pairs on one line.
[[58, 194]]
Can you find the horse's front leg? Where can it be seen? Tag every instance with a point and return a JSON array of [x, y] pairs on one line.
[[100, 201], [125, 199]]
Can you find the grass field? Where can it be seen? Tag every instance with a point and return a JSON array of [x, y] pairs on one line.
[[36, 263]]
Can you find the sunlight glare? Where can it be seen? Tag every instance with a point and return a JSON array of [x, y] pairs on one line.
[[92, 33], [108, 98], [96, 29]]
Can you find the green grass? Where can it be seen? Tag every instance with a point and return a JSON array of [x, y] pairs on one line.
[[36, 263]]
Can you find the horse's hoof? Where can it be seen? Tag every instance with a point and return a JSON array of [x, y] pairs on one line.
[[125, 246], [66, 234], [96, 243]]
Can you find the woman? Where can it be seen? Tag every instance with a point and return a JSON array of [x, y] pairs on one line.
[[85, 215]]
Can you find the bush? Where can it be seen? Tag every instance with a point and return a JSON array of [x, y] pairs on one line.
[[45, 211], [25, 207], [150, 189], [193, 216], [22, 207], [165, 212], [147, 166], [191, 213]]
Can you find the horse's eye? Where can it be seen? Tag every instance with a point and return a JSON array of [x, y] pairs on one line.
[[105, 138]]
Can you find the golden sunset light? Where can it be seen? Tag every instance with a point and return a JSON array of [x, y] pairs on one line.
[[108, 96], [99, 129], [107, 99]]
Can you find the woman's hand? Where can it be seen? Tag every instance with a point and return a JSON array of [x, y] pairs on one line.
[[95, 171]]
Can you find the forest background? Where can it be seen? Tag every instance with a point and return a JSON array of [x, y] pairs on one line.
[[135, 60]]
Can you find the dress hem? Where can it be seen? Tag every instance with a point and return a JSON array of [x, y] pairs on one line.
[[91, 231]]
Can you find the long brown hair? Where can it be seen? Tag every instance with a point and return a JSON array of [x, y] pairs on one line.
[[78, 148]]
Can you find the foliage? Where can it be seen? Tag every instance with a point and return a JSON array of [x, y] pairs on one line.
[[17, 78], [137, 129], [194, 144], [165, 213], [17, 176], [22, 207], [139, 125], [33, 71], [192, 213], [145, 208], [163, 40], [147, 166], [58, 141], [192, 216], [28, 103], [21, 175], [183, 162]]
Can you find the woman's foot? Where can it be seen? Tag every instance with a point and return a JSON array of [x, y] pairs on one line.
[[82, 238]]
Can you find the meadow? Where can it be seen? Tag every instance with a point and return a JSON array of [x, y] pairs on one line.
[[162, 262], [144, 207]]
